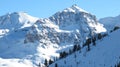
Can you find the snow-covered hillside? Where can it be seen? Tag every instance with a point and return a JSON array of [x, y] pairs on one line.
[[29, 41], [104, 54], [110, 22]]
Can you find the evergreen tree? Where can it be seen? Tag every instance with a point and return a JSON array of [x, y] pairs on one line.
[[74, 48], [78, 47], [63, 54], [118, 65], [116, 28], [88, 47], [50, 61], [99, 36], [87, 43], [56, 65], [46, 63], [93, 41]]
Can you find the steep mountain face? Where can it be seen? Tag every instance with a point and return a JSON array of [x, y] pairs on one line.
[[35, 40], [110, 22], [76, 18]]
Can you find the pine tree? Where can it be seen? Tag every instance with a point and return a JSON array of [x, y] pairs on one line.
[[88, 42], [56, 65], [116, 28], [46, 63], [99, 36], [50, 61], [118, 65], [93, 41], [88, 47], [63, 54], [78, 47], [74, 48]]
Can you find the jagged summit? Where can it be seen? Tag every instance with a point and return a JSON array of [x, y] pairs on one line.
[[74, 8], [73, 18]]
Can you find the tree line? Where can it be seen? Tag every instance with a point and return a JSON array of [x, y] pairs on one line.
[[77, 47]]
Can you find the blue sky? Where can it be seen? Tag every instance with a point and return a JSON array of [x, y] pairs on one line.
[[46, 8]]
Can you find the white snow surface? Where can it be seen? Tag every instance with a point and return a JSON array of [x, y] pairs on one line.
[[15, 63], [104, 54]]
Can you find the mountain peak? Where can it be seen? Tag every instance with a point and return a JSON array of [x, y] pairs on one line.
[[16, 13], [74, 8], [16, 20]]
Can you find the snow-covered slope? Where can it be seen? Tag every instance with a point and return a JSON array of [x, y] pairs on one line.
[[110, 22], [104, 54], [33, 42]]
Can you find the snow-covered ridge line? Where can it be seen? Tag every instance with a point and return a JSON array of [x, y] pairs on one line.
[[110, 22], [16, 20]]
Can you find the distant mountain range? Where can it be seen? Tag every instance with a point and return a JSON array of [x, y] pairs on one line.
[[110, 22]]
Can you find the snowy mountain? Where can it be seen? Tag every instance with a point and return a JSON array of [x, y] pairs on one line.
[[29, 41], [75, 17], [110, 22]]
